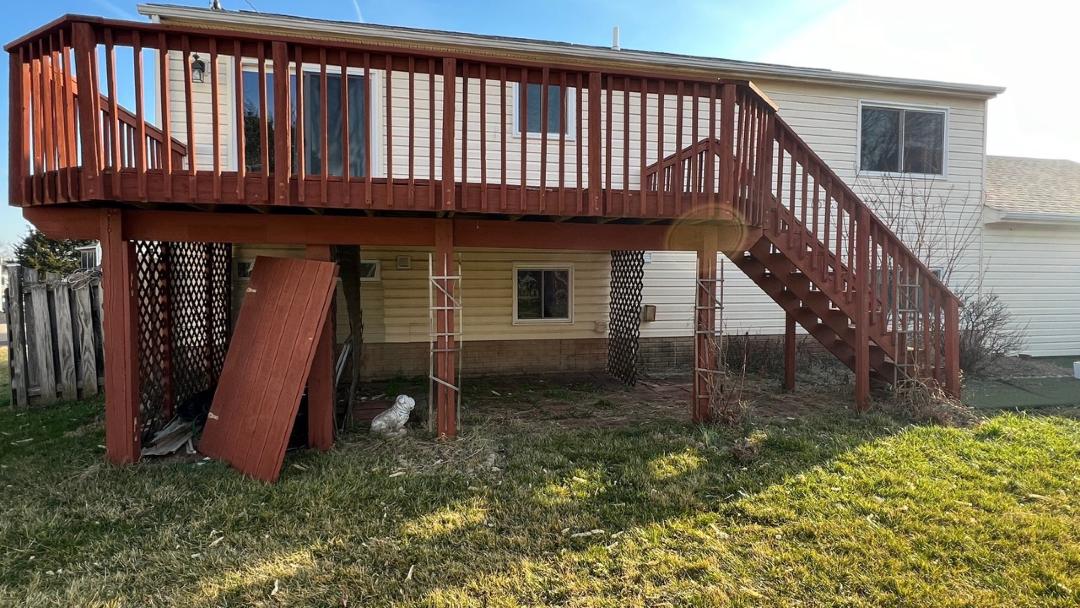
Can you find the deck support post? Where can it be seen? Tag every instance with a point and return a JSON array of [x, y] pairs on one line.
[[862, 311], [119, 318], [444, 381], [789, 353], [705, 349], [320, 387]]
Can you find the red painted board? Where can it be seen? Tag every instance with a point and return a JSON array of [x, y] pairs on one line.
[[285, 307]]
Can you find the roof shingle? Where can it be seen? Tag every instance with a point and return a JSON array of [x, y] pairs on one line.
[[1033, 185]]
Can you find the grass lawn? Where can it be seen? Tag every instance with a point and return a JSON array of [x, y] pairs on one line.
[[534, 505], [5, 378]]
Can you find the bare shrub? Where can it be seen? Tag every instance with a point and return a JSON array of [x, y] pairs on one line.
[[728, 404], [987, 332], [928, 402]]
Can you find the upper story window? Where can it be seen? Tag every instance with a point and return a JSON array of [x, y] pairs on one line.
[[559, 103], [313, 128], [902, 140]]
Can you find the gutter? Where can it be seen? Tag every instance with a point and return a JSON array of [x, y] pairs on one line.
[[436, 39], [996, 216]]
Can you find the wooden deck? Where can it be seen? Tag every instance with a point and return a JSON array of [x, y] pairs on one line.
[[438, 134]]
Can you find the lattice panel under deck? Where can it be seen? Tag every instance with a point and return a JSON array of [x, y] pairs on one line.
[[624, 318]]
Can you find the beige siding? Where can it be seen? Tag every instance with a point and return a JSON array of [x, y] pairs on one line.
[[1035, 270], [396, 306]]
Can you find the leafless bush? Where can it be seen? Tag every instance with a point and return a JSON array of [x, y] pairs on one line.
[[728, 404], [928, 402], [987, 332]]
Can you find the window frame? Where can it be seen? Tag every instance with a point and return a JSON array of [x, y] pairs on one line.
[[569, 268], [375, 110], [571, 115], [374, 278], [892, 105]]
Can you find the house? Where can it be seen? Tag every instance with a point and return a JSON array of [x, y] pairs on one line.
[[517, 202], [1031, 248]]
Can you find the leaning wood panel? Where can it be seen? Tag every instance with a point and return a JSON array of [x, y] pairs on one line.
[[268, 364]]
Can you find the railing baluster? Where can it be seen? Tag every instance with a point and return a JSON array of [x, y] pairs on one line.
[[18, 133], [189, 117], [643, 111], [661, 189], [578, 183], [678, 185], [544, 111], [523, 93], [609, 190], [369, 160], [140, 117], [300, 134], [390, 131], [215, 120], [346, 152], [626, 142], [503, 128], [412, 133], [483, 138], [562, 142], [594, 200], [238, 92], [464, 134], [264, 144], [449, 86]]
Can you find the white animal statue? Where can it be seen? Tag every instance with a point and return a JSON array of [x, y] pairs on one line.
[[391, 423]]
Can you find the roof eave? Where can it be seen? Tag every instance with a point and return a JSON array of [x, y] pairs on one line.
[[637, 59]]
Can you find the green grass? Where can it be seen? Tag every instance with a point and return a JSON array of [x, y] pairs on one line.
[[836, 509]]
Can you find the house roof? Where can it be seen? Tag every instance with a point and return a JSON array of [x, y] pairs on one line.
[[1033, 186], [509, 46]]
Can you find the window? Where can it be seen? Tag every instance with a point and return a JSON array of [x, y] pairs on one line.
[[369, 271], [542, 294], [535, 106], [901, 140], [88, 258], [313, 161]]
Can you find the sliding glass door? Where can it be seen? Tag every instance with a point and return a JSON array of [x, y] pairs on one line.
[[314, 129]]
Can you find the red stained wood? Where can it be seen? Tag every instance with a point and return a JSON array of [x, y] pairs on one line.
[[445, 342], [119, 331], [268, 363], [282, 124], [320, 405]]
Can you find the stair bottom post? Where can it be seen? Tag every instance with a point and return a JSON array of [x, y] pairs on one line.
[[789, 353]]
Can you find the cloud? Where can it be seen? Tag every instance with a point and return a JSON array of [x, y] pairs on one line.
[[356, 7], [115, 10]]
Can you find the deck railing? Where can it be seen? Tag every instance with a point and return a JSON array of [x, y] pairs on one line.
[[368, 127]]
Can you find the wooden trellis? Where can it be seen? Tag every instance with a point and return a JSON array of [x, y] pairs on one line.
[[627, 276], [184, 310]]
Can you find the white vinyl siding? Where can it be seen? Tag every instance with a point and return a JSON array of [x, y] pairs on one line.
[[1035, 270]]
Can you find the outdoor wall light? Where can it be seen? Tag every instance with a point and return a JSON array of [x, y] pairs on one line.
[[198, 68]]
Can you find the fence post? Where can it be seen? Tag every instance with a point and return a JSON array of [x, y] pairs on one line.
[[16, 336]]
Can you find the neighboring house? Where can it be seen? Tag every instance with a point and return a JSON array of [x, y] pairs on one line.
[[875, 132], [1031, 248]]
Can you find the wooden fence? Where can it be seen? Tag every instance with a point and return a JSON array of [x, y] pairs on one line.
[[54, 334]]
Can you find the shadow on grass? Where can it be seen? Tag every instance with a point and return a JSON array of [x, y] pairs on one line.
[[412, 521]]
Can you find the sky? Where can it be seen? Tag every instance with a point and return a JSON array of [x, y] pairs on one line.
[[1031, 47]]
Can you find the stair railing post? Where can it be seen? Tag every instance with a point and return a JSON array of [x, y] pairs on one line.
[[449, 187], [862, 300]]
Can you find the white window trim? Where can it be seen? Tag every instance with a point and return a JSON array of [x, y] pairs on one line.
[[571, 116], [570, 304], [944, 110], [375, 99], [378, 271]]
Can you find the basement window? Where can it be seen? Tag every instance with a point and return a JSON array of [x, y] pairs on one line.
[[901, 140], [543, 294]]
